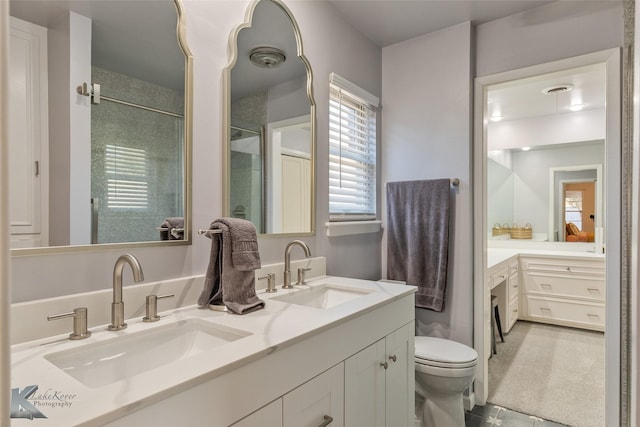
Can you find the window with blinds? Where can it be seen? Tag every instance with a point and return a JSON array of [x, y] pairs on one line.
[[352, 151], [126, 170]]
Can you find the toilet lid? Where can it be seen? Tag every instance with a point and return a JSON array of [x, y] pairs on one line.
[[439, 351]]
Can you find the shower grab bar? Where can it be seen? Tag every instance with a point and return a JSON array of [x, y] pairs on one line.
[[93, 90]]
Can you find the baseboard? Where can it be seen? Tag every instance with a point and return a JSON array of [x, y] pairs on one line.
[[469, 400]]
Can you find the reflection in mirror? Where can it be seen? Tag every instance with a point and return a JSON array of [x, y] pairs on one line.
[[99, 155], [576, 203], [270, 125], [544, 132]]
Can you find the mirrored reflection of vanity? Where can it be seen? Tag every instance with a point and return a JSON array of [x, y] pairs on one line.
[[101, 154], [270, 125]]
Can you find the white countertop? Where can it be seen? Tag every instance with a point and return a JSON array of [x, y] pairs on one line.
[[496, 256], [67, 402]]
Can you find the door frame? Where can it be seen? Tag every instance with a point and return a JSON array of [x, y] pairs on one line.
[[614, 370]]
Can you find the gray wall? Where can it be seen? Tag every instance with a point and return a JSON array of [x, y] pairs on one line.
[[426, 97], [426, 133]]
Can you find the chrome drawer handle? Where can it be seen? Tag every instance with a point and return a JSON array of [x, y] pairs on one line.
[[548, 310], [568, 268], [515, 310], [545, 285], [594, 290], [385, 365], [593, 316], [393, 358], [327, 420]]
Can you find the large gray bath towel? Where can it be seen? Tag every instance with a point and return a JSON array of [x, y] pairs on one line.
[[418, 238], [230, 279]]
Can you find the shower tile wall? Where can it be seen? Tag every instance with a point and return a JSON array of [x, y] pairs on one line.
[[153, 139]]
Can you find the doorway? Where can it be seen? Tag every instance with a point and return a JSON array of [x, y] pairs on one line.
[[611, 183]]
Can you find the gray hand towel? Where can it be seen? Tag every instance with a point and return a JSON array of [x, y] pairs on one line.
[[418, 238], [234, 256], [175, 228]]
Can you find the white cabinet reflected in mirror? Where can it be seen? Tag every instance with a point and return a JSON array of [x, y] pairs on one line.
[[270, 125], [545, 134], [100, 117]]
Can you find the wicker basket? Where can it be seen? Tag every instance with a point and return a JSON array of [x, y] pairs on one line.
[[521, 233], [499, 231]]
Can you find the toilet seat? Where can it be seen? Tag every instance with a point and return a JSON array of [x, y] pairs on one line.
[[443, 353]]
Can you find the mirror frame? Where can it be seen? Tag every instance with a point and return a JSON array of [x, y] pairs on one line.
[[187, 181], [226, 114]]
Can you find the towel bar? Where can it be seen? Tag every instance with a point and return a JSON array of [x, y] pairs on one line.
[[205, 232]]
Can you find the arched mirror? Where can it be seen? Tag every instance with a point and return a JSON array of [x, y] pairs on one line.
[[270, 124], [100, 150]]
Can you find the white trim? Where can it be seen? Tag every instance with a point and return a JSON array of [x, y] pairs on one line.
[[354, 90], [554, 196], [346, 228], [612, 58]]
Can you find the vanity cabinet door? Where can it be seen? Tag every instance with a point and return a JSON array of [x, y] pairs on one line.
[[364, 387], [269, 416], [318, 402], [379, 382]]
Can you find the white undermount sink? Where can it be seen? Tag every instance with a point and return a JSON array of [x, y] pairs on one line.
[[102, 363], [323, 296]]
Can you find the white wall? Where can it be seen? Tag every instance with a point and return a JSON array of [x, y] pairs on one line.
[[426, 133], [330, 45]]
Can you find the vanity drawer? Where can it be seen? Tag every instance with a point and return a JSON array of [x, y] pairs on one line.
[[578, 314], [566, 265], [565, 285], [498, 276]]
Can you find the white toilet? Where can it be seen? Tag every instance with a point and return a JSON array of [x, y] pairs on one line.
[[444, 370]]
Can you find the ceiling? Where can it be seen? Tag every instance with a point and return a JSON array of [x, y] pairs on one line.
[[386, 22]]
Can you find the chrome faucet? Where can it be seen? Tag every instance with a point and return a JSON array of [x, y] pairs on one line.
[[117, 306], [287, 260]]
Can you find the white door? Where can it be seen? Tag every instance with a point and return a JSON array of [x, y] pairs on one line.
[[400, 393], [28, 134]]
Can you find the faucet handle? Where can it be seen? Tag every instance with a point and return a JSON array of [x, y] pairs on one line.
[[151, 306], [301, 274], [79, 315], [271, 282]]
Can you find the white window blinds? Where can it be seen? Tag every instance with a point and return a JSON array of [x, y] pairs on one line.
[[352, 151]]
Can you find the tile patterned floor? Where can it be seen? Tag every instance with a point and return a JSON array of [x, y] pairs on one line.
[[493, 415]]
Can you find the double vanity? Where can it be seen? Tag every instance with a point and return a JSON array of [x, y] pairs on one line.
[[334, 351]]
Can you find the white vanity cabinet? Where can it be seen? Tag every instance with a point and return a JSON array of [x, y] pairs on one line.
[[513, 296], [299, 384], [566, 291], [320, 401], [379, 382]]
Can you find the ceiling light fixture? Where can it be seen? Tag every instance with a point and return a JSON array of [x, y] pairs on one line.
[[526, 148], [576, 107], [554, 90], [267, 57]]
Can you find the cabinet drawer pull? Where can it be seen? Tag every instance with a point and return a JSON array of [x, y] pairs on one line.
[[545, 309], [545, 285], [593, 290], [515, 310], [568, 268], [593, 316], [393, 358], [385, 365], [327, 420]]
